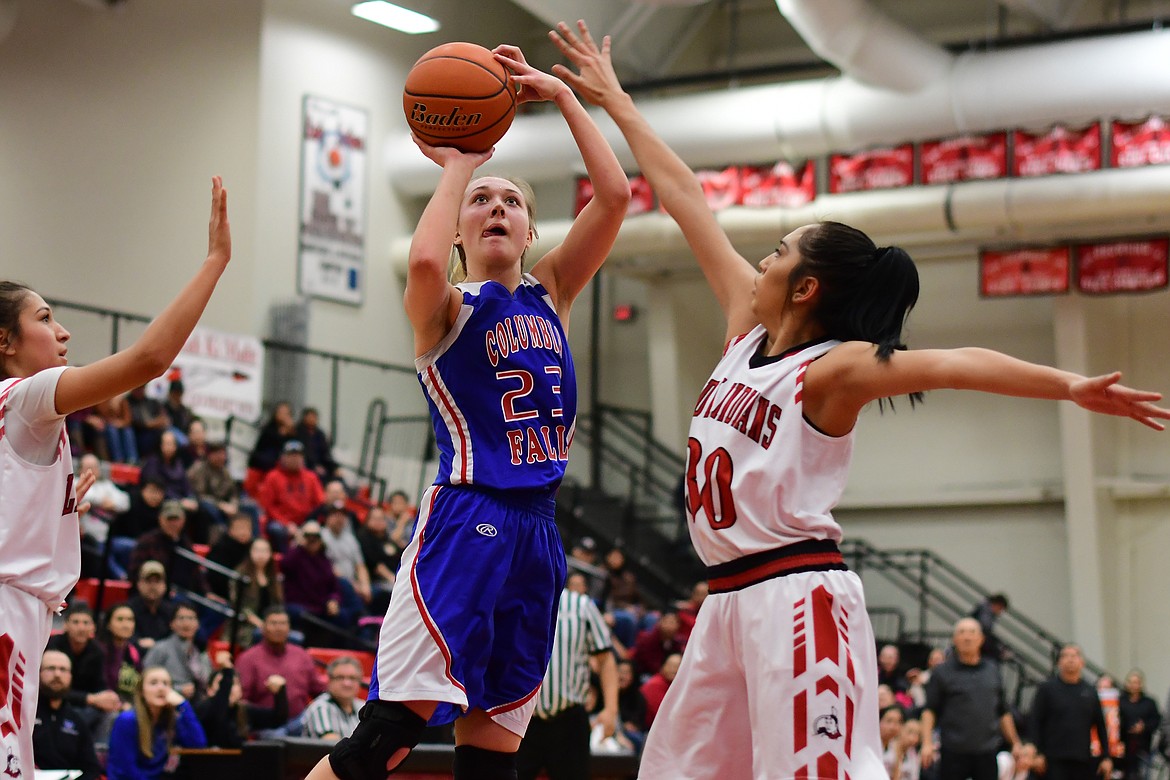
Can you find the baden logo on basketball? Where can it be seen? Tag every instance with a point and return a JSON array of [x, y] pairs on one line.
[[486, 529], [454, 118]]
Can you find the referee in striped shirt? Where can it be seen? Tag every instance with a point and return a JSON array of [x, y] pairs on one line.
[[558, 736]]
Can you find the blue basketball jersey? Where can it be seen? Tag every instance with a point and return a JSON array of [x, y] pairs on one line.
[[502, 390]]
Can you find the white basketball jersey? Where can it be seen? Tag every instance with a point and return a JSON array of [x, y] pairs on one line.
[[759, 475], [40, 540]]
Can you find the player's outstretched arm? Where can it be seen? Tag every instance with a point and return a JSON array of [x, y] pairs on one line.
[[155, 350], [566, 269], [850, 376], [729, 275]]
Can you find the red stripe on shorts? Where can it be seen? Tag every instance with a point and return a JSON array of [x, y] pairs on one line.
[[422, 607]]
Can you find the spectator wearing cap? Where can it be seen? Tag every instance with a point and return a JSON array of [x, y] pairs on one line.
[[288, 493], [167, 467], [310, 583], [152, 607], [160, 545]]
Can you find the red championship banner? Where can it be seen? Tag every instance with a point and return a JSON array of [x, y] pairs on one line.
[[1035, 271], [1140, 143], [720, 187], [966, 158], [874, 169], [781, 184], [1059, 150], [1123, 266], [641, 196]]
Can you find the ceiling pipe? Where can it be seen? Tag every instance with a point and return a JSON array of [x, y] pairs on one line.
[[1072, 81], [866, 44], [1050, 208]]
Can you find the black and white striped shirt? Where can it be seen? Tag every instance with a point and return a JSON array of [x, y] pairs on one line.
[[325, 716], [580, 633]]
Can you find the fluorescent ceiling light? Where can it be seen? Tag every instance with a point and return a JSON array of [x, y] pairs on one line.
[[395, 17]]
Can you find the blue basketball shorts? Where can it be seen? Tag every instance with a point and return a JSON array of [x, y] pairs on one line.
[[471, 620]]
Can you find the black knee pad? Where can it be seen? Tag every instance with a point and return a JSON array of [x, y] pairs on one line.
[[476, 763], [384, 728]]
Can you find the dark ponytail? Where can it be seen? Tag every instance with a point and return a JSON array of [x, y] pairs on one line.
[[12, 295], [866, 291]]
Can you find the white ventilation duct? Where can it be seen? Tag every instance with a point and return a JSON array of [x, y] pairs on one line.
[[1049, 208], [866, 44], [1072, 81]]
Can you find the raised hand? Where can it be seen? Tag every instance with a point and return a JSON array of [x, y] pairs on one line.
[[219, 231], [596, 81], [531, 84], [441, 155], [1104, 395], [82, 486]]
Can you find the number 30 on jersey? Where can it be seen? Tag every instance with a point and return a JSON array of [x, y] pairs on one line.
[[709, 485]]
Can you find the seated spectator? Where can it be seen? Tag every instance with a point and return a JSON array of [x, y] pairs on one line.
[[400, 516], [310, 584], [148, 419], [118, 429], [621, 598], [166, 467], [655, 644], [273, 435], [263, 590], [886, 698], [123, 657], [288, 493], [229, 552], [153, 608], [381, 555], [106, 499], [344, 552], [273, 655], [688, 611], [61, 738], [179, 414], [189, 667], [335, 496], [919, 678], [226, 718], [654, 690], [160, 545], [89, 692], [196, 447], [1021, 763], [214, 487], [141, 518], [631, 705], [906, 758], [890, 722], [318, 450], [141, 742], [890, 670], [334, 714]]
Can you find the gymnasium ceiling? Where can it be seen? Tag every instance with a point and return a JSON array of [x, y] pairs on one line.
[[671, 45]]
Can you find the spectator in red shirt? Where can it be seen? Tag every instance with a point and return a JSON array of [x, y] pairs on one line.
[[655, 644], [654, 689], [688, 611], [275, 656], [288, 494]]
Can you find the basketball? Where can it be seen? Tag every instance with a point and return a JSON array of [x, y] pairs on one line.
[[458, 95]]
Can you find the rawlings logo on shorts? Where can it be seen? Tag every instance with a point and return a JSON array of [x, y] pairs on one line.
[[486, 529]]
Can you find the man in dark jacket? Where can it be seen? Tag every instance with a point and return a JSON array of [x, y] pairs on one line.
[[61, 737], [1064, 711]]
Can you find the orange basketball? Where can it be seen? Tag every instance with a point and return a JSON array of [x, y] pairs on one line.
[[458, 95]]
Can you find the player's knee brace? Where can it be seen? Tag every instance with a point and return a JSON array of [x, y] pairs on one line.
[[476, 763], [385, 728]]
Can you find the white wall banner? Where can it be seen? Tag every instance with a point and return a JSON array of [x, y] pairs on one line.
[[222, 375], [332, 256]]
